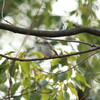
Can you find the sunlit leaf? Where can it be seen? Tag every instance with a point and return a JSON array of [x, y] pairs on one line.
[[55, 61], [73, 91], [82, 81], [25, 67], [0, 58], [26, 81], [60, 95], [38, 54], [45, 94], [21, 55]]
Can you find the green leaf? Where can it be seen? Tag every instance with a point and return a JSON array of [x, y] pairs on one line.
[[73, 12], [69, 74], [33, 64], [21, 55], [4, 66], [3, 88], [80, 77], [63, 61], [9, 53], [72, 58], [62, 77], [27, 95], [15, 87], [45, 94], [25, 67], [82, 81], [26, 81], [60, 95], [66, 95], [38, 54], [55, 61], [3, 78], [64, 43], [72, 88], [35, 95], [0, 58], [73, 91], [43, 82], [56, 18]]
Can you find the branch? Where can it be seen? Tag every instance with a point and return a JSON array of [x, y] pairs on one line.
[[44, 33], [59, 56], [69, 68], [75, 41]]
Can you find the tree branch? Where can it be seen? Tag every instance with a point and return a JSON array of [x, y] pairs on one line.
[[44, 33], [75, 41], [59, 56], [69, 68]]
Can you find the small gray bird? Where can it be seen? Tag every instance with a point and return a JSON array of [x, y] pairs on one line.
[[48, 50]]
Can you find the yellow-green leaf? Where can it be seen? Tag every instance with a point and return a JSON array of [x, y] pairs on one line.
[[55, 61], [38, 54]]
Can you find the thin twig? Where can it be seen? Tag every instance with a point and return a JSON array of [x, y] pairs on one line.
[[31, 27], [3, 5], [2, 12], [35, 90], [75, 41], [94, 78], [71, 67]]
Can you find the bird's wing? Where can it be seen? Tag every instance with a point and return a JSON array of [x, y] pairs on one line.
[[53, 49]]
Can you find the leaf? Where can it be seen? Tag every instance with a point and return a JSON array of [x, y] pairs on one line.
[[35, 95], [43, 82], [62, 77], [45, 94], [73, 12], [82, 81], [64, 43], [3, 78], [66, 95], [80, 77], [55, 61], [27, 94], [26, 81], [25, 67], [56, 18], [4, 66], [9, 53], [72, 58], [15, 87], [73, 91], [69, 74], [21, 55], [38, 54], [33, 64], [63, 61], [3, 88], [60, 95], [0, 58]]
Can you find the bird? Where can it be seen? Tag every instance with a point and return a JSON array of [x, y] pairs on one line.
[[48, 50]]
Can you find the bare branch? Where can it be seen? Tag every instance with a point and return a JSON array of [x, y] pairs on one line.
[[44, 33], [71, 67], [75, 41], [59, 56]]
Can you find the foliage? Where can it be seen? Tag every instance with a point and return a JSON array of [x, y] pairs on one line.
[[53, 79]]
